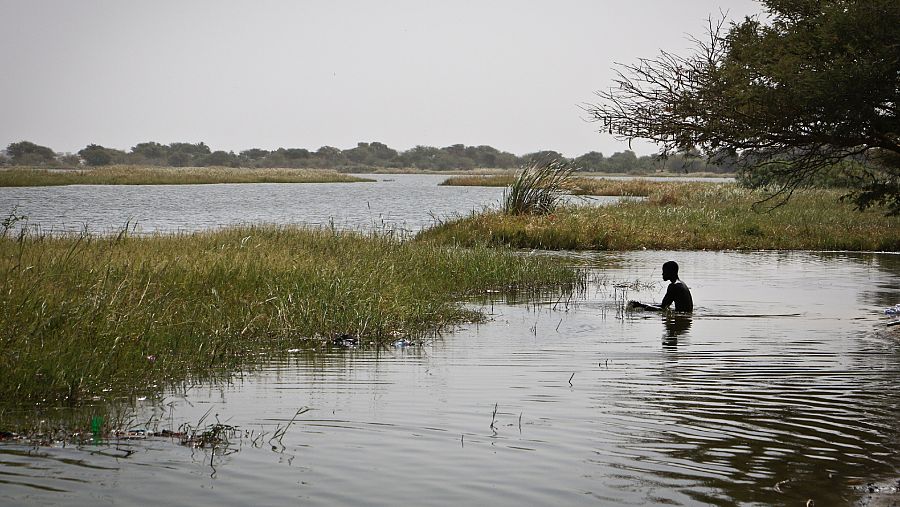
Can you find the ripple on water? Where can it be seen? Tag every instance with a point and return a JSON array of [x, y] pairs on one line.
[[581, 405]]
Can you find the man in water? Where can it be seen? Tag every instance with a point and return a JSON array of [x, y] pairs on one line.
[[677, 292]]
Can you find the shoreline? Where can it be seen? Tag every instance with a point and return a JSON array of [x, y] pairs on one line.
[[684, 216], [141, 175]]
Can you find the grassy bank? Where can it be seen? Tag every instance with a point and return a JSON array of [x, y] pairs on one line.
[[579, 185], [686, 216], [82, 314], [133, 175], [582, 184]]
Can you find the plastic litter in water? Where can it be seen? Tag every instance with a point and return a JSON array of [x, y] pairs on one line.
[[893, 310], [96, 425]]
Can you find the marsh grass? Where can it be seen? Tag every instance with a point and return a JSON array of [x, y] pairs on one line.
[[537, 189], [503, 179], [135, 175], [118, 315], [686, 216], [575, 185]]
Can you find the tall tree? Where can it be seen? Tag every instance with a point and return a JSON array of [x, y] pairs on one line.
[[543, 156], [254, 153], [591, 161], [28, 153], [149, 152], [814, 84], [622, 162], [220, 158], [96, 155]]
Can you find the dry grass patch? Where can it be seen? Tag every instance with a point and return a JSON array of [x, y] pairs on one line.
[[577, 185], [134, 175]]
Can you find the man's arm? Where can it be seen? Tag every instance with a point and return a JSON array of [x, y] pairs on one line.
[[643, 306], [669, 298], [667, 301]]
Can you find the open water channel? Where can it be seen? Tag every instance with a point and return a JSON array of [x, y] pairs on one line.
[[783, 386]]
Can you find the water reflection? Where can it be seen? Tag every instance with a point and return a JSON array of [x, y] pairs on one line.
[[676, 324]]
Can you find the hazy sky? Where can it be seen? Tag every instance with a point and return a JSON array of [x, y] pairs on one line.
[[304, 74]]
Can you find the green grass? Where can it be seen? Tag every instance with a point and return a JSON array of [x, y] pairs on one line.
[[134, 175], [115, 316], [686, 216]]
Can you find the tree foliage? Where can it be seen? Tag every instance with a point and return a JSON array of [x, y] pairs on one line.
[[363, 157], [28, 153], [806, 89], [96, 155]]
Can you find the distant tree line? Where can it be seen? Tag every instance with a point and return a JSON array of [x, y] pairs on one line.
[[365, 156]]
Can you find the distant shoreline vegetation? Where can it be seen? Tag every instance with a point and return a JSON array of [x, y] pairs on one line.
[[137, 175], [575, 185], [365, 157]]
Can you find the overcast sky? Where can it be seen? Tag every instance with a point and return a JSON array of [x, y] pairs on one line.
[[303, 74]]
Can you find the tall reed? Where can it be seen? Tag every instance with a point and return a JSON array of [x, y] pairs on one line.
[[538, 188]]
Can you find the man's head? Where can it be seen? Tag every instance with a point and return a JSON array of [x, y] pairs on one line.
[[670, 271]]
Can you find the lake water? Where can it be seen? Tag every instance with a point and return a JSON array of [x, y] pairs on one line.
[[397, 202], [401, 202], [781, 387]]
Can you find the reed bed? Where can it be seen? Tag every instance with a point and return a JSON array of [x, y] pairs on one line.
[[686, 216], [132, 175], [482, 171], [537, 189], [575, 185], [480, 180], [99, 315]]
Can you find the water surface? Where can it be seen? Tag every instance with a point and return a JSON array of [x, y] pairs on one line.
[[781, 387], [401, 203]]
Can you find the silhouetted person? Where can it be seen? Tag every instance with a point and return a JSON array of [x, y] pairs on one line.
[[677, 292]]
